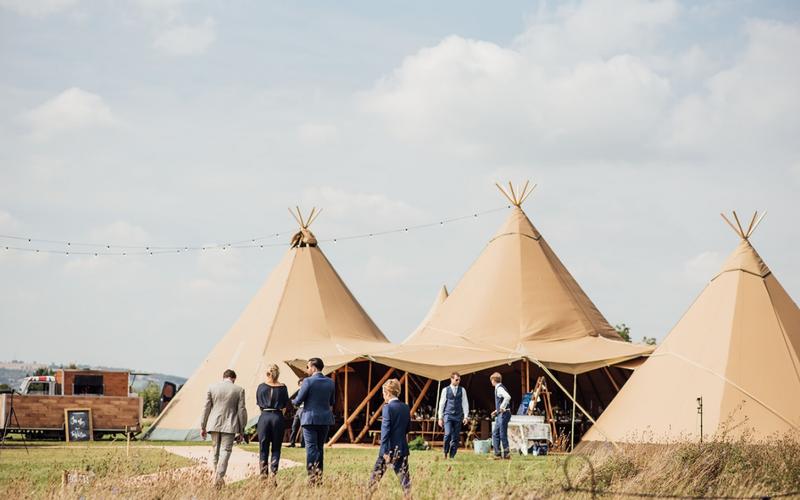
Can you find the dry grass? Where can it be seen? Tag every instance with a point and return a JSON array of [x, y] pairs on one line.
[[722, 467], [718, 468]]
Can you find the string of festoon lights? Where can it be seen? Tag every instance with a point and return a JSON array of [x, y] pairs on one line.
[[13, 243]]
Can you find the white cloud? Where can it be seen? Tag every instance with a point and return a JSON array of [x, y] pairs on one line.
[[702, 267], [120, 233], [316, 134], [596, 29], [164, 10], [217, 265], [360, 206], [72, 109], [8, 223], [753, 102], [471, 94], [37, 8], [381, 270], [184, 40]]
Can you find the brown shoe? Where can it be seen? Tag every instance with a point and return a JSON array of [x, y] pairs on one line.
[[507, 457]]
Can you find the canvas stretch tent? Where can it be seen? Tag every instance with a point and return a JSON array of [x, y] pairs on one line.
[[737, 347], [518, 310], [304, 309]]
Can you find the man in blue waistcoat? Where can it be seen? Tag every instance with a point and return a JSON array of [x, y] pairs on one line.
[[453, 412], [317, 397], [502, 414]]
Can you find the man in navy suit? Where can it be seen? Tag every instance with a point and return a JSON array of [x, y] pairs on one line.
[[394, 442], [317, 397]]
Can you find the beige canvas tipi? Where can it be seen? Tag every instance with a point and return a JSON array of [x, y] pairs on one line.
[[737, 347], [516, 301], [304, 309]]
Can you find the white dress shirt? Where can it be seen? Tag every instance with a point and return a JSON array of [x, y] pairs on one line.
[[501, 391], [443, 400]]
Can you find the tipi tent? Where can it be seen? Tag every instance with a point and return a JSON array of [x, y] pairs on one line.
[[440, 298], [516, 301], [737, 347], [304, 309]]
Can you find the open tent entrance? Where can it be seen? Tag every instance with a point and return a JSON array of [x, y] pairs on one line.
[[359, 399]]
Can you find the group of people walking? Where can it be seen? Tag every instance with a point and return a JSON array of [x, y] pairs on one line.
[[224, 418]]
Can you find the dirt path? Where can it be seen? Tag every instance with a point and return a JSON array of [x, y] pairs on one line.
[[242, 464]]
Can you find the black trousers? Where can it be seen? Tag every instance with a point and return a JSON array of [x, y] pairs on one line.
[[270, 435], [297, 431], [315, 437]]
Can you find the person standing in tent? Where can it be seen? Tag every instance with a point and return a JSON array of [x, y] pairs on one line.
[[453, 411], [317, 397], [502, 415], [272, 398], [395, 424], [225, 418], [296, 432]]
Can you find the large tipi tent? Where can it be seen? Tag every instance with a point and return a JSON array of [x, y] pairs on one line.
[[304, 309], [516, 301], [737, 347]]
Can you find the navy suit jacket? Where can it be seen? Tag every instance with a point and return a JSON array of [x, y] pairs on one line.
[[394, 428], [317, 396]]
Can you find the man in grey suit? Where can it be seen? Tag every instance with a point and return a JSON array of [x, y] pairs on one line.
[[225, 418], [317, 397]]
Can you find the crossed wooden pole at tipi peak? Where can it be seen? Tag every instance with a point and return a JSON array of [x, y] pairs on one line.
[[516, 197], [739, 229], [305, 222]]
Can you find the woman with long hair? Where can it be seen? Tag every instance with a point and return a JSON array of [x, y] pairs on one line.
[[272, 398]]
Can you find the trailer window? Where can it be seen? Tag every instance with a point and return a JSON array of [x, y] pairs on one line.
[[88, 384], [39, 388]]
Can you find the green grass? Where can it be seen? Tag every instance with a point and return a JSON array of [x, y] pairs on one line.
[[39, 470]]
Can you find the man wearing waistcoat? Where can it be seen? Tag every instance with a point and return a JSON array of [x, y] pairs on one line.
[[502, 414], [453, 412]]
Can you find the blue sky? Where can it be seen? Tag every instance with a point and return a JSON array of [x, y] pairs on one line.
[[170, 122]]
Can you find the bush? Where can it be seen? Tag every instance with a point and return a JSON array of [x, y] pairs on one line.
[[152, 397]]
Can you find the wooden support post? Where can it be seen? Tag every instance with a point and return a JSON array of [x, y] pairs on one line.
[[360, 407], [369, 382], [527, 376], [572, 430], [371, 420], [421, 396], [406, 384], [608, 374], [521, 376], [346, 399]]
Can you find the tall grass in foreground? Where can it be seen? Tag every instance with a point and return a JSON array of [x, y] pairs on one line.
[[717, 468], [721, 467]]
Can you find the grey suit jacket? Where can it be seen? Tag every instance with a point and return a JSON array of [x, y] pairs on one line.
[[224, 410]]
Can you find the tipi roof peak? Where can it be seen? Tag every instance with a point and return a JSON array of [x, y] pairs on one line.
[[516, 197], [739, 228], [304, 237]]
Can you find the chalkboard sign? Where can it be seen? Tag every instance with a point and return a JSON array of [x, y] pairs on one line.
[[78, 423]]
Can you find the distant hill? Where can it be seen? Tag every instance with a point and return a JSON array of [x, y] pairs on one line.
[[12, 373]]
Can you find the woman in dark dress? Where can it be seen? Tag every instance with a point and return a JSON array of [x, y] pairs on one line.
[[272, 398]]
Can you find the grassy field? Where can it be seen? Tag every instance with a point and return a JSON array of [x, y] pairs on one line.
[[737, 469]]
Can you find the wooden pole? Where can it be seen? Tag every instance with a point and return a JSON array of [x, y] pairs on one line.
[[360, 407], [572, 431], [406, 384], [346, 399], [369, 382], [527, 376], [421, 396], [613, 382], [371, 420], [128, 444]]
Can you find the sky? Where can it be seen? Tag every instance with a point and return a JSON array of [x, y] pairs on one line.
[[172, 123]]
